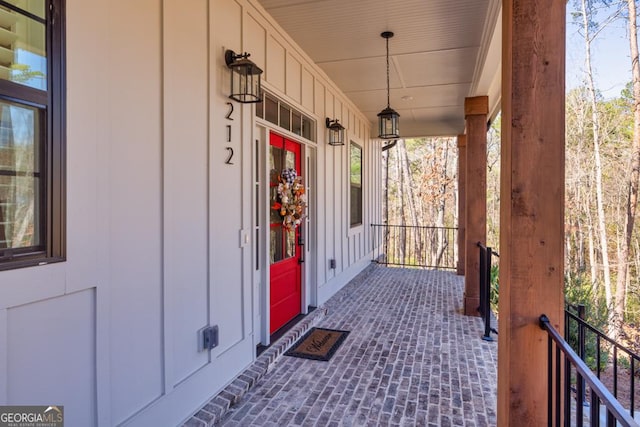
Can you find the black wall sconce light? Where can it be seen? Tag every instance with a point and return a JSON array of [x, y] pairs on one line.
[[245, 78], [335, 131]]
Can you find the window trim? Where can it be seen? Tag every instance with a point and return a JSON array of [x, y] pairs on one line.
[[52, 105]]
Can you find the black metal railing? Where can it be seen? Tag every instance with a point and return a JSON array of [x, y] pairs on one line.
[[577, 372], [597, 349], [486, 290], [414, 246]]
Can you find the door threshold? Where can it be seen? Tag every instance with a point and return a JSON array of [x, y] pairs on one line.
[[283, 330]]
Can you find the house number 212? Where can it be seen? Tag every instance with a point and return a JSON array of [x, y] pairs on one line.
[[229, 149]]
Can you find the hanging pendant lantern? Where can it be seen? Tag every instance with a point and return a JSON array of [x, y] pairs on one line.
[[388, 118]]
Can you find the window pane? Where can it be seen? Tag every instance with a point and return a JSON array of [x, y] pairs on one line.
[[32, 139], [296, 123], [356, 164], [257, 237], [260, 109], [20, 177], [356, 206], [285, 117], [271, 110], [23, 51], [307, 130], [355, 183], [35, 7], [257, 202]]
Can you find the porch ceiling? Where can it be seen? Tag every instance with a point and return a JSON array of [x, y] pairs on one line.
[[442, 52]]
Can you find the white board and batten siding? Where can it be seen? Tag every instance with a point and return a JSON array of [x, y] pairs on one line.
[[160, 231]]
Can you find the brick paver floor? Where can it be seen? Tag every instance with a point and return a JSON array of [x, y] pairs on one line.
[[411, 359]]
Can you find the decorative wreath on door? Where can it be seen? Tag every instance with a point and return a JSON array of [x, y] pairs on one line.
[[292, 199]]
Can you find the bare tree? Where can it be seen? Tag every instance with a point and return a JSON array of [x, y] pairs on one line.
[[420, 194], [587, 26], [633, 175]]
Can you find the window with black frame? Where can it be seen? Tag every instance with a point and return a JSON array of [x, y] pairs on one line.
[[32, 146], [355, 183]]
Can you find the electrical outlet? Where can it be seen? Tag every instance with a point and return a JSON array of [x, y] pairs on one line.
[[208, 338]]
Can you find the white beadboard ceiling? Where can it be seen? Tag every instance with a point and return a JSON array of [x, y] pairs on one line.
[[442, 52]]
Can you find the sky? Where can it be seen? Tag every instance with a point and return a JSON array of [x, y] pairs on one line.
[[609, 56]]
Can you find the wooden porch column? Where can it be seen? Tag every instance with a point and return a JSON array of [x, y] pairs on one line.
[[475, 111], [462, 173], [531, 203]]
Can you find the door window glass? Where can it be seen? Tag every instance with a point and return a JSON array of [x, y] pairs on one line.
[[276, 245], [291, 243], [290, 160], [282, 242]]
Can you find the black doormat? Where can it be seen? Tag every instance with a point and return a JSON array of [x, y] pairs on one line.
[[318, 344]]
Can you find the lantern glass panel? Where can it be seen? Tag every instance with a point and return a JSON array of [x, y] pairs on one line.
[[388, 126], [336, 136], [254, 87], [245, 82]]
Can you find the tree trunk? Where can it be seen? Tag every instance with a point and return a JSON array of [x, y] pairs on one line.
[[408, 182], [384, 233], [634, 173], [441, 204], [568, 253], [385, 187], [401, 236], [415, 252], [602, 229], [580, 246], [456, 220], [593, 262]]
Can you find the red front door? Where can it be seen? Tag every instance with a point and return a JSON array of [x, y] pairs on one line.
[[284, 252]]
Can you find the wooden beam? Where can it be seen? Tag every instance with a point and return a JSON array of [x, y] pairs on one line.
[[476, 110], [531, 203], [476, 105], [462, 174]]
